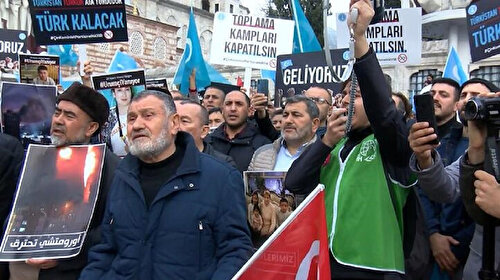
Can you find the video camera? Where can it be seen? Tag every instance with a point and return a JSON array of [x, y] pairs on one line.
[[486, 110], [483, 109]]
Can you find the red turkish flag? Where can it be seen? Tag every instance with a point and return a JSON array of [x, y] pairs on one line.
[[297, 250]]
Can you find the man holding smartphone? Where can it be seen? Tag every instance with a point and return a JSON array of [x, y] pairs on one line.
[[450, 228], [363, 221]]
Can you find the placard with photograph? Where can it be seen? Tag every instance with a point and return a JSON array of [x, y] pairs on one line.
[[27, 111], [12, 43], [39, 69], [119, 89], [269, 204], [44, 225]]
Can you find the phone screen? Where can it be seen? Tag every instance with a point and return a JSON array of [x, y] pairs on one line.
[[424, 108]]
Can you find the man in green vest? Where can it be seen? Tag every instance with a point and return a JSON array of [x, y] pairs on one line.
[[365, 172]]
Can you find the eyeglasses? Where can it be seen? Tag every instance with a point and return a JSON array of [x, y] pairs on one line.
[[319, 100]]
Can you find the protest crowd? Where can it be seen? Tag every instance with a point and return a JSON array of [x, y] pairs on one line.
[[193, 183]]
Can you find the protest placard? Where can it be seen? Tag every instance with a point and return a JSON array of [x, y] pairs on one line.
[[250, 41], [44, 225], [296, 73], [157, 83], [119, 88], [483, 24], [265, 191], [27, 111], [12, 43], [396, 39], [39, 69], [59, 22]]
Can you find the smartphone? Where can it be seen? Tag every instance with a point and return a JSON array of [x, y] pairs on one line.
[[263, 86], [424, 107]]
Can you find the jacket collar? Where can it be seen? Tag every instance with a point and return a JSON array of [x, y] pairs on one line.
[[281, 142], [247, 133], [130, 168]]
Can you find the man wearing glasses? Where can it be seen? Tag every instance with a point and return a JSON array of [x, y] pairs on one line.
[[323, 100], [319, 95]]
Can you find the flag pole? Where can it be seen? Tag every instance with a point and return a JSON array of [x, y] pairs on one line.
[[280, 229]]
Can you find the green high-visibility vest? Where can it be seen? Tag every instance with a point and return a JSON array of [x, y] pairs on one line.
[[363, 228]]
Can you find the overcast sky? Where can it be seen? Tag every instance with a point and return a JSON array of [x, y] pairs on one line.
[[256, 5]]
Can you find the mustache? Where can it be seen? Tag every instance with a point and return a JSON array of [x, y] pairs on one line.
[[142, 132], [62, 128]]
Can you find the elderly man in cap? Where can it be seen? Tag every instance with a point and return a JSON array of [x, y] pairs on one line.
[[80, 113]]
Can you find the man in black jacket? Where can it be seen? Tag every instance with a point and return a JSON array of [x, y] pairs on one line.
[[11, 158], [237, 137], [194, 120], [80, 113], [363, 219]]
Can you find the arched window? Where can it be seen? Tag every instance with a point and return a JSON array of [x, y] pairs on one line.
[[417, 79], [136, 43], [489, 73], [160, 48], [181, 37]]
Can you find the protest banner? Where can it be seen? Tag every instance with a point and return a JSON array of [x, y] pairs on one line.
[[396, 39], [266, 210], [27, 111], [44, 225], [59, 22], [157, 83], [12, 43], [483, 24], [119, 88], [296, 73], [39, 69], [250, 41], [298, 249]]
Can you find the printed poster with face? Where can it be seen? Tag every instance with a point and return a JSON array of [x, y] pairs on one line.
[[12, 43], [39, 69], [44, 225], [119, 88], [268, 203], [27, 111]]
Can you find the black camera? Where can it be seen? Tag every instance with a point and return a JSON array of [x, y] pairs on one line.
[[483, 109]]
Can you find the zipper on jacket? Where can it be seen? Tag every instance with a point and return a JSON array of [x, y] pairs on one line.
[[200, 233]]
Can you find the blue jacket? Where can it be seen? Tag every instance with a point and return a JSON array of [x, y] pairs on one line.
[[195, 227]]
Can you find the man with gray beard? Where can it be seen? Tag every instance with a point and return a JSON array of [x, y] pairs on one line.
[[80, 113], [173, 212]]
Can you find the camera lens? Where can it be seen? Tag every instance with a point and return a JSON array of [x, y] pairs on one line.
[[471, 110]]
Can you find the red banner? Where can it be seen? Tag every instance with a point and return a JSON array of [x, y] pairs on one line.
[[297, 250]]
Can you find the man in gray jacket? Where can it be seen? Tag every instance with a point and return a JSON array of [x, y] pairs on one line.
[[299, 125], [440, 183]]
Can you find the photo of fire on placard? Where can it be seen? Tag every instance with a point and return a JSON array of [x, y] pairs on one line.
[[27, 111], [54, 202]]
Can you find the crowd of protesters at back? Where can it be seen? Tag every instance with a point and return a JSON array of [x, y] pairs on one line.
[[174, 207]]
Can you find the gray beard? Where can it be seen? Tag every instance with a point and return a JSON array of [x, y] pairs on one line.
[[58, 142], [151, 148]]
